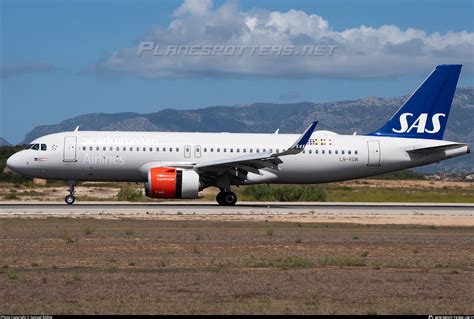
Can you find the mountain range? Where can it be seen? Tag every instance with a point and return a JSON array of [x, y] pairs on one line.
[[344, 117], [4, 142]]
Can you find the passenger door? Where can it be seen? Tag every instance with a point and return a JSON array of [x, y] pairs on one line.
[[69, 154], [374, 153]]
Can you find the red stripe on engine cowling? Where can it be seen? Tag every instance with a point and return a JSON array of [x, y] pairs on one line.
[[163, 182]]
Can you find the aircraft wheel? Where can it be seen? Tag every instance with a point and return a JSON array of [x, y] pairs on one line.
[[230, 198], [69, 199], [220, 198], [226, 198]]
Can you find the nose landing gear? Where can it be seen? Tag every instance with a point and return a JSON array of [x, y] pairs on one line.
[[69, 199]]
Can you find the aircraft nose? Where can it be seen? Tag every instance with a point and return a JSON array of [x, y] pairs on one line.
[[13, 163]]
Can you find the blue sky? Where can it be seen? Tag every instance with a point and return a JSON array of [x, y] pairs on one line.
[[56, 55]]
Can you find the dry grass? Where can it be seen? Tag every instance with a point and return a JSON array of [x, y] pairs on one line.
[[234, 268]]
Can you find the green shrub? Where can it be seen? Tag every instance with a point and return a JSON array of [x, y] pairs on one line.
[[130, 194], [371, 312], [68, 238], [342, 261], [88, 230], [284, 193], [11, 195], [12, 274], [400, 175], [283, 263]]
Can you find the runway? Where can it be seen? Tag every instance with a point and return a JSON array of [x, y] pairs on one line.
[[363, 213]]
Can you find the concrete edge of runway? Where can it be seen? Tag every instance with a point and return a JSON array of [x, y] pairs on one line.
[[240, 203]]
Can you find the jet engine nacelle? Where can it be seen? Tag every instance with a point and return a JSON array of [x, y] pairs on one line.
[[166, 182]]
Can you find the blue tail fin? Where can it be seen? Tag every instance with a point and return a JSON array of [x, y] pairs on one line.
[[425, 113]]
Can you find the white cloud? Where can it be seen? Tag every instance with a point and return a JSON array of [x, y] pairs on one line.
[[193, 7], [361, 51]]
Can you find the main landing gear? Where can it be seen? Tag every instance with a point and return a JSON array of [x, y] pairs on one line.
[[226, 198], [69, 199]]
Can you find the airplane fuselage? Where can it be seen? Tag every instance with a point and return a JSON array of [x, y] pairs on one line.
[[179, 165], [127, 156]]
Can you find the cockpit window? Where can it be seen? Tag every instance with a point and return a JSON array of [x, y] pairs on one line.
[[43, 147], [28, 146], [35, 147]]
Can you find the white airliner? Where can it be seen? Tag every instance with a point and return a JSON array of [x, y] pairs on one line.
[[179, 165]]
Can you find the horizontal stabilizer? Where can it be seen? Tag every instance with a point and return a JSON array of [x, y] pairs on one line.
[[435, 149]]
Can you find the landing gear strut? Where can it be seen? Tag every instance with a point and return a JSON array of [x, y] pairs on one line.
[[69, 199], [226, 198]]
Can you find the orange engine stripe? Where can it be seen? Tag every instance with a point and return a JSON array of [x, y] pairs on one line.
[[163, 182]]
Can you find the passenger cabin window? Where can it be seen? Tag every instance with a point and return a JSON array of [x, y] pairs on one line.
[[355, 152], [349, 152]]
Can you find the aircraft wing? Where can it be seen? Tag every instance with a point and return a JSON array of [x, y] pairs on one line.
[[238, 166], [241, 165], [252, 163]]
